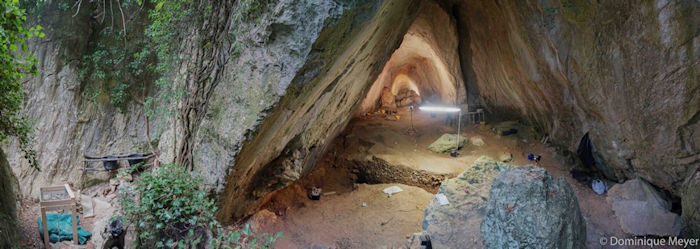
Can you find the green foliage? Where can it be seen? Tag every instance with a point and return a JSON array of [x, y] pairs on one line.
[[164, 36], [114, 65], [15, 62], [171, 210]]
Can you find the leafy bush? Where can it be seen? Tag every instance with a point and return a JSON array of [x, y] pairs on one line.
[[15, 63], [170, 210]]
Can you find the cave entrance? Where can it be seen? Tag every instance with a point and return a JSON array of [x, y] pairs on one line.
[[375, 152], [376, 147]]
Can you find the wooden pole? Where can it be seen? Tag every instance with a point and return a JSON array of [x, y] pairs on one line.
[[46, 228]]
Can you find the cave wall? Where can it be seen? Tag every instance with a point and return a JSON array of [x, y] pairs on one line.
[[344, 60], [8, 204], [66, 124], [428, 58], [625, 71], [274, 48]]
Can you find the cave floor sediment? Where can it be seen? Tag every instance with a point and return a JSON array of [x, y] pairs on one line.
[[340, 220]]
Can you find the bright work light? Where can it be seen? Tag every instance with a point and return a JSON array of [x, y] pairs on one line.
[[439, 108], [447, 109]]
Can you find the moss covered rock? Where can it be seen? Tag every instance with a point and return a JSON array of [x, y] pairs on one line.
[[528, 208], [456, 225]]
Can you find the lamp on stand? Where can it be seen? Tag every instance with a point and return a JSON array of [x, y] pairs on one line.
[[454, 153]]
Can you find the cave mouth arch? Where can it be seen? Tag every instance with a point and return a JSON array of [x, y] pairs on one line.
[[426, 63], [327, 95]]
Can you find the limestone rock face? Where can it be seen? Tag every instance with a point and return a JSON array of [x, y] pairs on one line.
[[624, 71], [691, 205], [527, 208], [456, 225], [68, 126], [278, 48], [333, 70], [388, 100], [447, 143], [8, 206], [426, 62], [642, 210]]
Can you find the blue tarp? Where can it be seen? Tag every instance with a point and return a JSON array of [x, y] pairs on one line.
[[66, 228]]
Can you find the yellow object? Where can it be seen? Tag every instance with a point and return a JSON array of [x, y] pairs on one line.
[[483, 123], [398, 117], [383, 112]]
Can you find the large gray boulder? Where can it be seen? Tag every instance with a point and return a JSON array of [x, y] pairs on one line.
[[447, 143], [642, 210], [456, 225], [527, 208]]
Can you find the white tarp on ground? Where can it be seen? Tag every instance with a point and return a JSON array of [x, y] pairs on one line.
[[392, 190]]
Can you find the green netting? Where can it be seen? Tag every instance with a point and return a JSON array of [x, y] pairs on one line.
[[61, 228]]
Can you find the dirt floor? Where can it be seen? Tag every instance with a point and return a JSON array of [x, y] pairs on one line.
[[29, 228], [339, 220]]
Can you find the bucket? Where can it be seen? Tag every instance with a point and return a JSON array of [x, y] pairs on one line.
[[110, 165], [133, 162]]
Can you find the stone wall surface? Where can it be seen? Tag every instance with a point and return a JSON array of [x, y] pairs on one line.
[[625, 71], [345, 58], [66, 124], [8, 204]]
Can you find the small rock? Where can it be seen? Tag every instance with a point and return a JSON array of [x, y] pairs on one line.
[[262, 218], [477, 141], [102, 207], [505, 157], [127, 178], [447, 143]]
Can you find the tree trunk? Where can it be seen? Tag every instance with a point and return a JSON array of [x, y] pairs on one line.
[[208, 49]]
